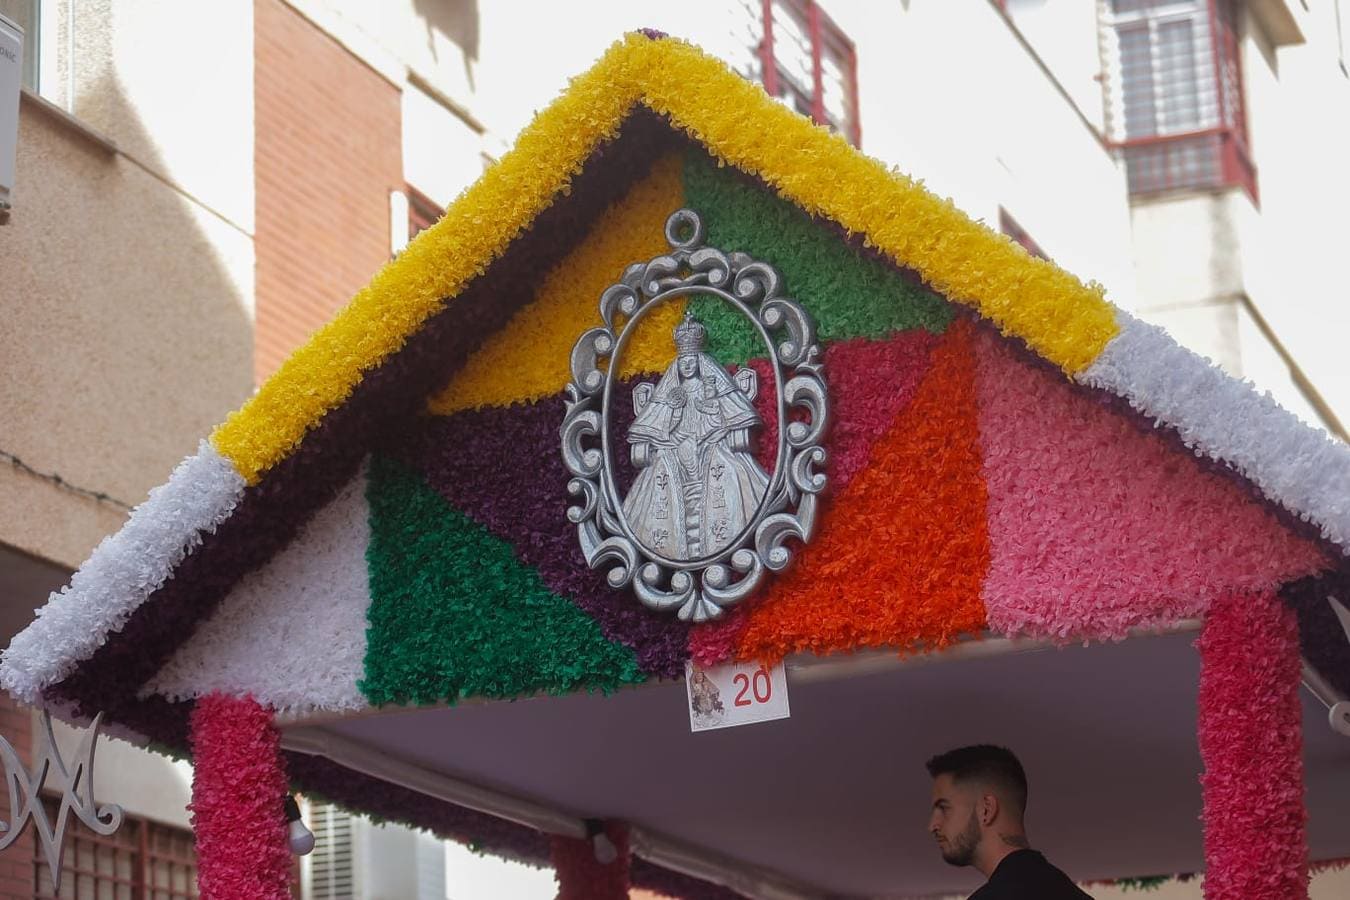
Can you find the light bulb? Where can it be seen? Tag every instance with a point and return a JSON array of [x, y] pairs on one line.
[[605, 851], [1340, 718], [301, 838]]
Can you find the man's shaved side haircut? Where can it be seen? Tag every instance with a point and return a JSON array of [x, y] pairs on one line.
[[985, 764]]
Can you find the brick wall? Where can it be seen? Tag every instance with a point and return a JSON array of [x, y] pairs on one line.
[[327, 153], [16, 862]]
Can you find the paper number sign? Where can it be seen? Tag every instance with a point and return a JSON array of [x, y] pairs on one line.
[[736, 694]]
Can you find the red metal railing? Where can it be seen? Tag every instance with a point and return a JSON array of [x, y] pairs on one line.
[[820, 29], [1197, 160], [1208, 158]]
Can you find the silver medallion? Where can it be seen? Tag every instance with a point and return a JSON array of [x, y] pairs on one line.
[[702, 521]]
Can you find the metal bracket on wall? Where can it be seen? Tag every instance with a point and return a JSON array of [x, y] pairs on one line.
[[76, 787]]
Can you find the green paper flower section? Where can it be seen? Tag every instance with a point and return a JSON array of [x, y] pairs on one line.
[[849, 295], [454, 614]]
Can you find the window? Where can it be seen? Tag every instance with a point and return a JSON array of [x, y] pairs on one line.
[[1008, 225], [1177, 109], [332, 864], [422, 213], [141, 860], [25, 14], [807, 62]]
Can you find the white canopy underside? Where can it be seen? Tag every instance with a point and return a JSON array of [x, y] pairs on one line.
[[835, 799]]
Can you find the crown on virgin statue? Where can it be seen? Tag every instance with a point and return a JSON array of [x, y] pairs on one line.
[[690, 335]]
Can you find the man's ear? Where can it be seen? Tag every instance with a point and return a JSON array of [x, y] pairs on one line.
[[988, 809]]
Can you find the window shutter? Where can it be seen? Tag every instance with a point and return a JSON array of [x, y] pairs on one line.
[[332, 864]]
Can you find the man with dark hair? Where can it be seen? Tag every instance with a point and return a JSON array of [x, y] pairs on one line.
[[979, 801]]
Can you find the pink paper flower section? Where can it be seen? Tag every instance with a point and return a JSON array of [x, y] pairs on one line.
[[238, 788], [1097, 527], [1251, 742]]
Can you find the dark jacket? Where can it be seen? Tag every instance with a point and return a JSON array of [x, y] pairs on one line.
[[1027, 875]]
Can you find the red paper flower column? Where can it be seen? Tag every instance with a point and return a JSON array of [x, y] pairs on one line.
[[1251, 742], [585, 867], [238, 788]]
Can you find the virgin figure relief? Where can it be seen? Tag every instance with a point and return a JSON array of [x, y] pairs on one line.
[[702, 524], [698, 484]]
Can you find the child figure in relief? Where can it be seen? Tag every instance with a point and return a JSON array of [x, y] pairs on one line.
[[704, 697], [698, 483]]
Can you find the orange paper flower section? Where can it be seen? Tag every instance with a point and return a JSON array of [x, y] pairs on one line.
[[901, 555]]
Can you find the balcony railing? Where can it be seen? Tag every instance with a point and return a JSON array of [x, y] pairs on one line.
[[1198, 160]]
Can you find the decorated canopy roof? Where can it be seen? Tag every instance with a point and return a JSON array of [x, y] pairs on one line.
[[384, 522]]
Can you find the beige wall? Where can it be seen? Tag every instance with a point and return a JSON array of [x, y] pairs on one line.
[[1189, 249], [169, 82], [126, 276], [1064, 34], [128, 272], [127, 333]]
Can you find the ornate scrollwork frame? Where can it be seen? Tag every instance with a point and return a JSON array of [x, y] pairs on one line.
[[700, 589]]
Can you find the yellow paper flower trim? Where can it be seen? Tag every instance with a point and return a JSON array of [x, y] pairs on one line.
[[475, 230], [1058, 316], [1061, 318], [528, 359]]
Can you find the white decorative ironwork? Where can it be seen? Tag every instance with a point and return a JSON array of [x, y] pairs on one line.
[[703, 521], [76, 787]]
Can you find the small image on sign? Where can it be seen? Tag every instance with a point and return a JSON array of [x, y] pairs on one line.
[[737, 694]]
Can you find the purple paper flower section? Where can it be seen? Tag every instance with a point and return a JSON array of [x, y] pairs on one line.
[[502, 467]]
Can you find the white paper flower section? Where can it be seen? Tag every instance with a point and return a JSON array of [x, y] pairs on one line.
[[292, 633], [121, 573]]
